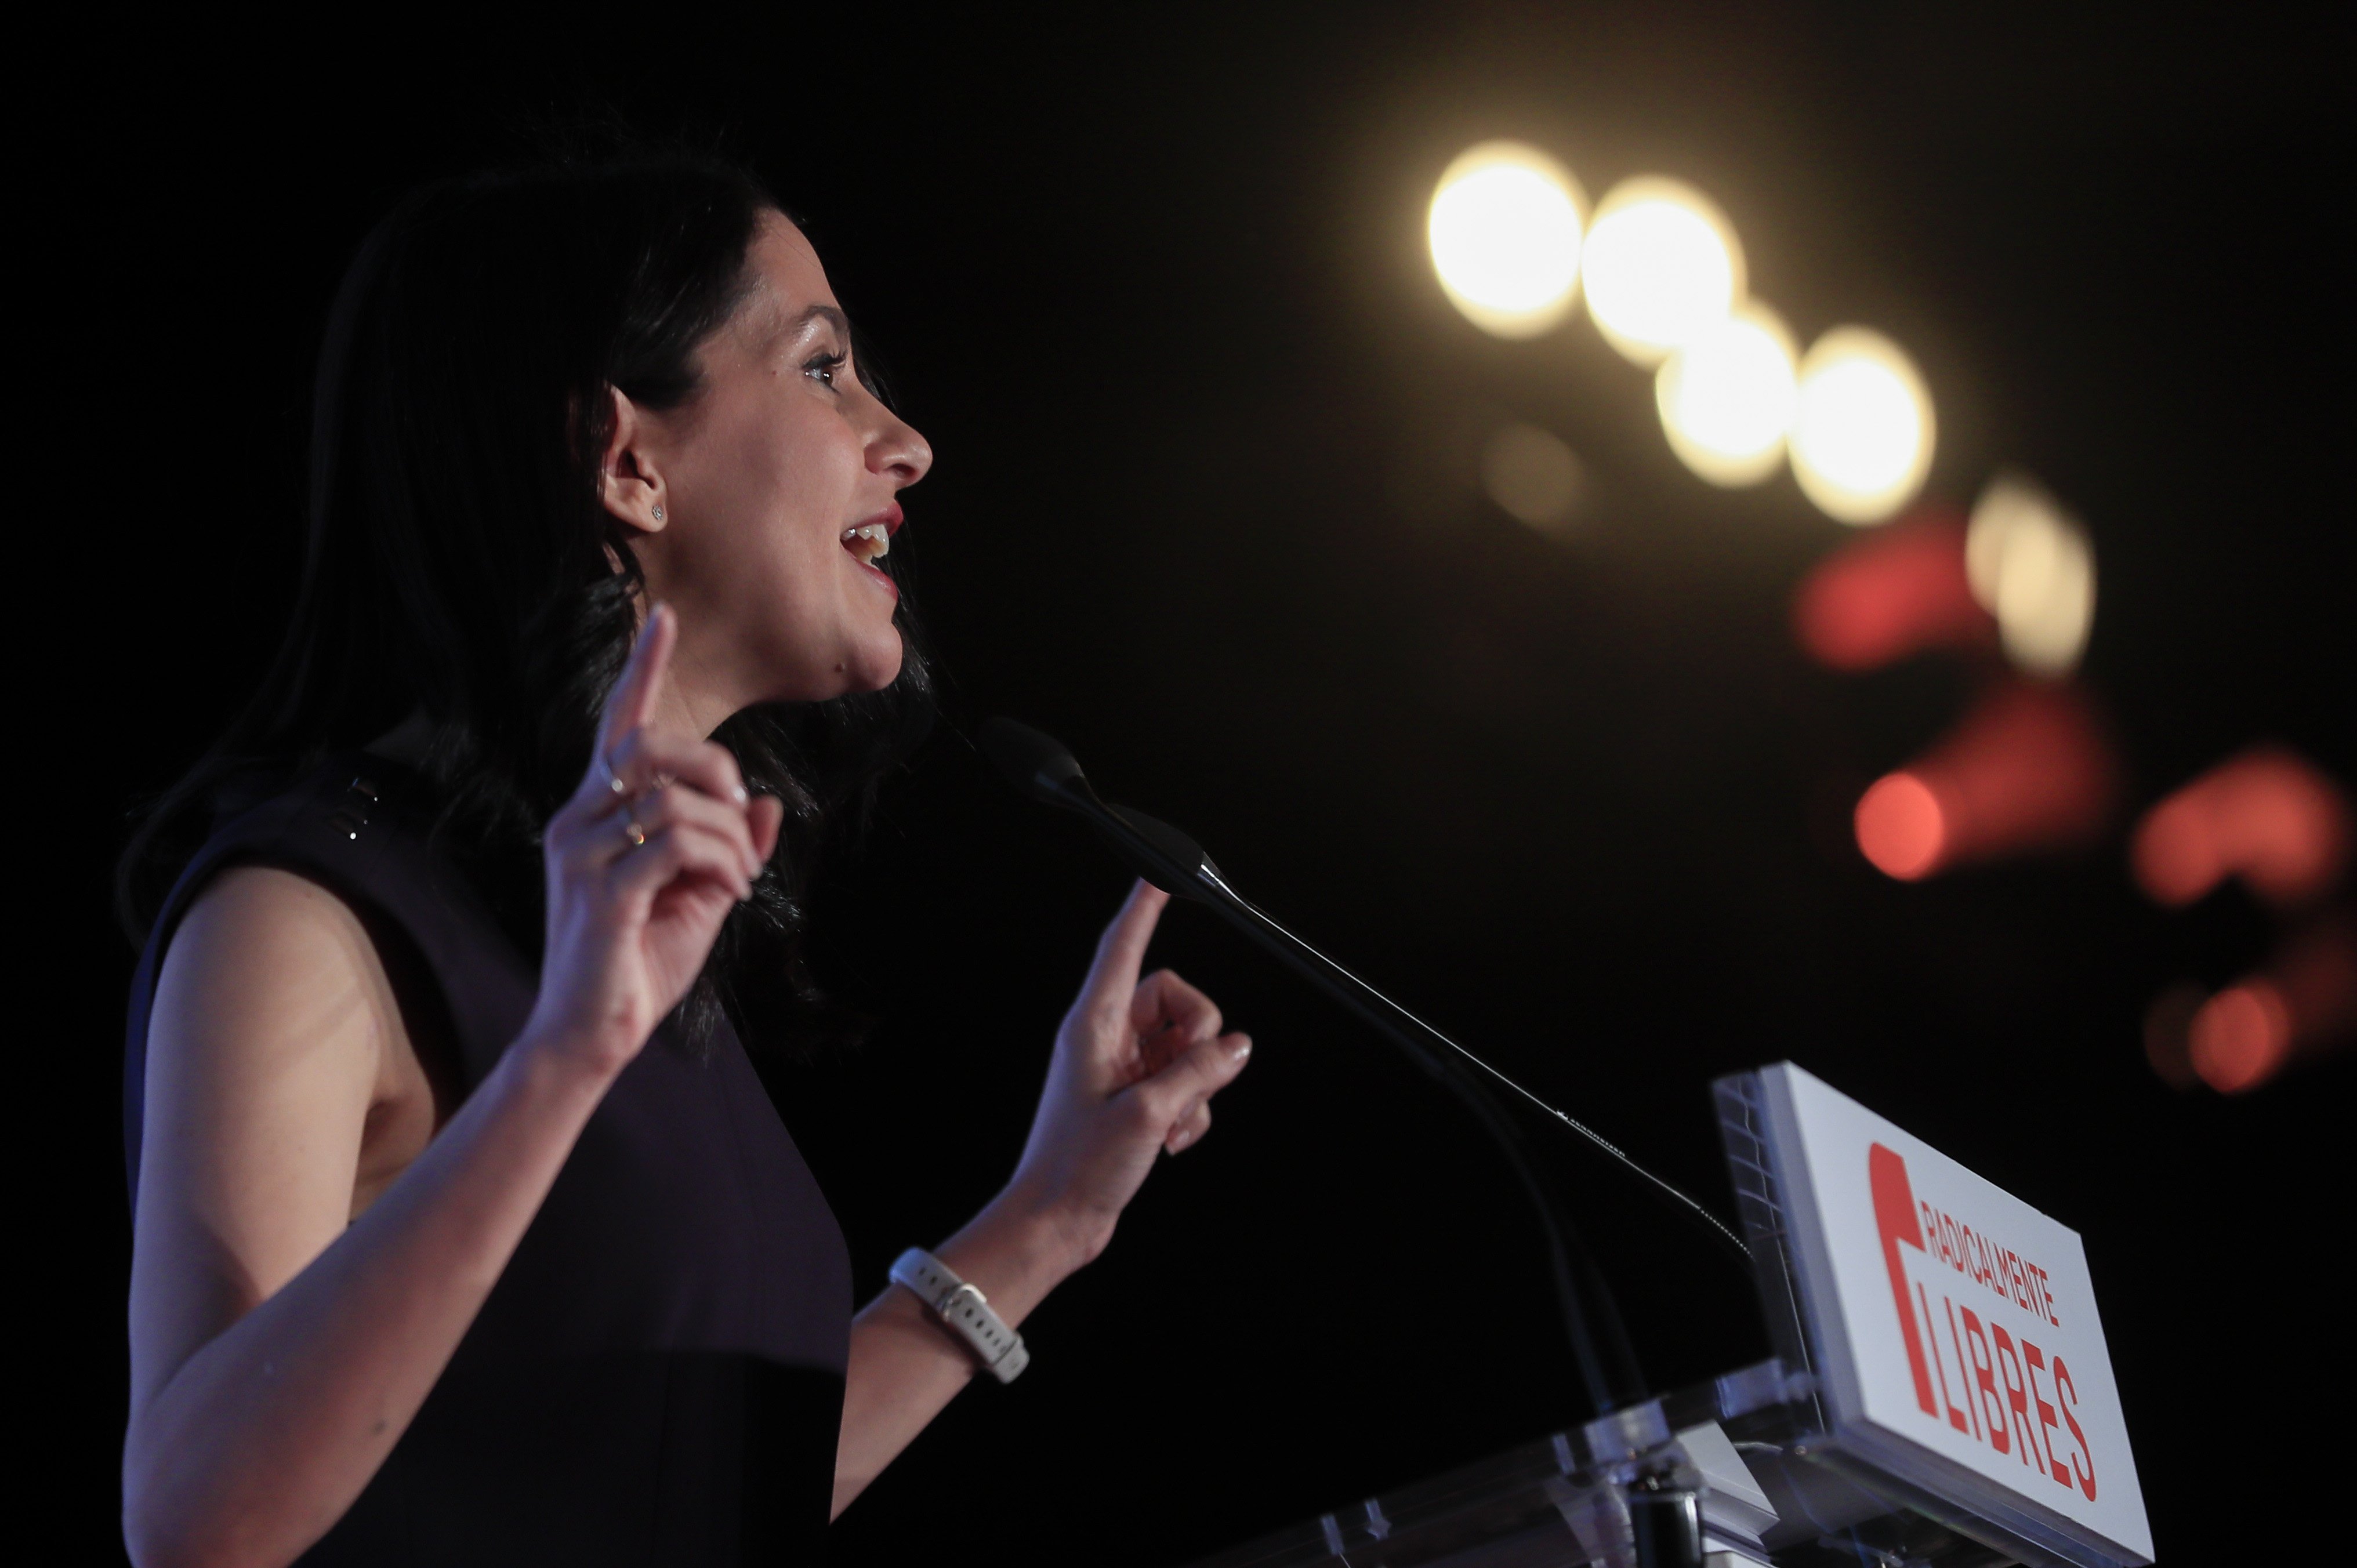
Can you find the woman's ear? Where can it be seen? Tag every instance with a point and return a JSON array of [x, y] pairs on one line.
[[629, 481]]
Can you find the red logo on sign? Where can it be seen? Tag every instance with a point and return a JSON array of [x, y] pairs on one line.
[[2004, 1404]]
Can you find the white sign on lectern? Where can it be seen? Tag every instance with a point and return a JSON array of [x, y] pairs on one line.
[[1953, 1328]]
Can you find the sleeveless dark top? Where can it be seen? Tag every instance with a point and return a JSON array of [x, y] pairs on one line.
[[657, 1378]]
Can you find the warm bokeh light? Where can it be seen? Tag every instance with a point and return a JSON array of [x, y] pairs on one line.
[[2241, 1036], [1891, 593], [1504, 230], [2030, 564], [1662, 266], [2267, 816], [2301, 1007], [1725, 398], [2027, 769], [1900, 828], [1533, 476], [1863, 435]]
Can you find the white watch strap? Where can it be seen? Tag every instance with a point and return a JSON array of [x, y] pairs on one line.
[[998, 1348]]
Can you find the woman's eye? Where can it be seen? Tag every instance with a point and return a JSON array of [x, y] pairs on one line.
[[822, 369]]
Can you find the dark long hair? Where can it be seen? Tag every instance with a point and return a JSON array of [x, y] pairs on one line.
[[459, 563]]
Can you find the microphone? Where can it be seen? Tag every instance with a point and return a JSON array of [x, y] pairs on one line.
[[1041, 766]]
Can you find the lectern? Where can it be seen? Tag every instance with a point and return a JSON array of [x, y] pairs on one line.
[[1940, 1393]]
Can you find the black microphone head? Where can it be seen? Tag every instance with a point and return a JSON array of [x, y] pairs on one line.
[[1037, 764], [1184, 855]]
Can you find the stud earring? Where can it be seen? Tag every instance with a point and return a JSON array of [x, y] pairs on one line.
[[658, 514]]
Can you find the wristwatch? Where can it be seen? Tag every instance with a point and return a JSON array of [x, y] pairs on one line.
[[961, 1306]]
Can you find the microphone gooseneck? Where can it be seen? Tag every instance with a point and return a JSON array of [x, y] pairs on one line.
[[1041, 768]]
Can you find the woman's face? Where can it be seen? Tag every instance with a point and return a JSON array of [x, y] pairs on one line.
[[778, 484]]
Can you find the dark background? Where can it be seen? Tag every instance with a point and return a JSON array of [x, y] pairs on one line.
[[1205, 507]]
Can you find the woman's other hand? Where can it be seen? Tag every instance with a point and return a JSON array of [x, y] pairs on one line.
[[645, 861], [1137, 1064], [1136, 1067]]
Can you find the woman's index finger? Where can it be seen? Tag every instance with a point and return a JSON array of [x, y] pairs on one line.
[[632, 701], [1122, 953]]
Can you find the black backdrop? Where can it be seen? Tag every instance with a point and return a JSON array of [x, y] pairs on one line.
[[1203, 505]]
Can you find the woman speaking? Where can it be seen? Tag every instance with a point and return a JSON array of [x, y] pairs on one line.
[[466, 1232]]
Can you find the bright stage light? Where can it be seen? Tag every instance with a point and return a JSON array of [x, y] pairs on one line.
[[1505, 235], [1726, 398], [1662, 266], [1862, 440], [1533, 476], [2032, 566]]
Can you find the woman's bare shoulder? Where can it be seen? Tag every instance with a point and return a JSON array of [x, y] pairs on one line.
[[273, 1017], [276, 997], [260, 943]]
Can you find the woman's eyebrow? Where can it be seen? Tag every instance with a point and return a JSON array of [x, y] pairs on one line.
[[827, 313]]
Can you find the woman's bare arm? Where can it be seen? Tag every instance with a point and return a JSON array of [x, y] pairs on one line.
[[278, 1355], [277, 1352]]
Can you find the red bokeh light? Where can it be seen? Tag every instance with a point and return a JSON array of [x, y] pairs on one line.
[[2241, 1036], [2175, 852], [1891, 593], [2266, 816], [2302, 1005], [1900, 828], [2027, 769]]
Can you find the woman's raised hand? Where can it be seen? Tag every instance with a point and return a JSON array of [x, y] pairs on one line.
[[645, 861], [1137, 1064]]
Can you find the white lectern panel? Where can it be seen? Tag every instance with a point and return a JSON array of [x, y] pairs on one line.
[[1954, 1327]]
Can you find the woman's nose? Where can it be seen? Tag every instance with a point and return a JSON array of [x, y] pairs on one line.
[[899, 450]]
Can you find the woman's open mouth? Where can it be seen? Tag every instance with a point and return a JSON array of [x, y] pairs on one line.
[[870, 541]]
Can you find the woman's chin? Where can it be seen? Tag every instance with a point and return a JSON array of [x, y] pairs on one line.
[[805, 675], [877, 667]]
